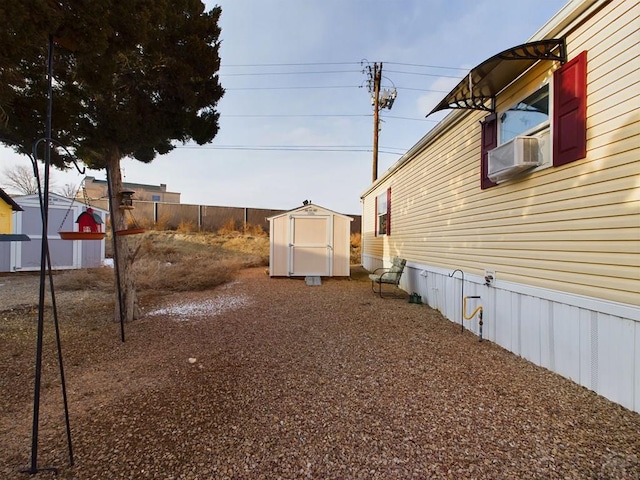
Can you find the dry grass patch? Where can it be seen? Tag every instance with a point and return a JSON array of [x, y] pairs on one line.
[[356, 246], [178, 262], [86, 279], [189, 274]]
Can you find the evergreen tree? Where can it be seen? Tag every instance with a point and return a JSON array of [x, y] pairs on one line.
[[130, 79]]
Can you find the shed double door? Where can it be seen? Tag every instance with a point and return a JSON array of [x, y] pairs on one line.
[[310, 248]]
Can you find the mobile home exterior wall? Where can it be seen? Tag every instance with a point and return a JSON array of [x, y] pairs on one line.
[[563, 241]]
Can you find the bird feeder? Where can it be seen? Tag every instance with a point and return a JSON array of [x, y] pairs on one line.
[[126, 203], [89, 227], [127, 199]]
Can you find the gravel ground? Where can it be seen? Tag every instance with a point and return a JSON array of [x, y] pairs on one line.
[[271, 378]]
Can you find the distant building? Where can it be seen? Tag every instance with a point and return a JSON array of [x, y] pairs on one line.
[[97, 190]]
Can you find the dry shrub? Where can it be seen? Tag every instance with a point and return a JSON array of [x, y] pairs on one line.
[[186, 226], [356, 245], [228, 227], [160, 251], [86, 279], [189, 274], [254, 250], [256, 230], [131, 221], [162, 223], [146, 222]]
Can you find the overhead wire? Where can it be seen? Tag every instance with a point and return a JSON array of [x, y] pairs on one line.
[[296, 148], [222, 73], [308, 64]]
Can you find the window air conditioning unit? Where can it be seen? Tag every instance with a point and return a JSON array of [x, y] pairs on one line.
[[509, 159]]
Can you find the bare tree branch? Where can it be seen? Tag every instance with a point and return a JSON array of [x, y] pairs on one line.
[[21, 179]]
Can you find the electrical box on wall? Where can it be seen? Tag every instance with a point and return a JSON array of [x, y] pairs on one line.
[[489, 277]]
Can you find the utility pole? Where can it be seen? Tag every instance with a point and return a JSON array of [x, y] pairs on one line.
[[378, 101], [377, 78]]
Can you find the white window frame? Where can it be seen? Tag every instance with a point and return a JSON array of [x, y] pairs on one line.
[[543, 130], [382, 200]]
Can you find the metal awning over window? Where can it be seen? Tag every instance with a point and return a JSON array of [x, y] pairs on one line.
[[483, 83]]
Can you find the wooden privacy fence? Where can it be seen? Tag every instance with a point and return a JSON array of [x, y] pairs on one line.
[[171, 216]]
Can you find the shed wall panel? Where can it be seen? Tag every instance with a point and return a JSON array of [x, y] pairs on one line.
[[279, 258], [5, 256]]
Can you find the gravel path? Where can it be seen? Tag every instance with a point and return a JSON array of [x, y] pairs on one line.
[[271, 378]]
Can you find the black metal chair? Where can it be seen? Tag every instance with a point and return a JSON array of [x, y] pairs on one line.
[[387, 276]]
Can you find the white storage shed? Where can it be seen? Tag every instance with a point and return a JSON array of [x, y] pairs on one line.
[[310, 241], [65, 254]]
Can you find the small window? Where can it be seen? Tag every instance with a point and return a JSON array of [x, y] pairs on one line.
[[155, 198], [527, 117], [381, 202], [562, 138]]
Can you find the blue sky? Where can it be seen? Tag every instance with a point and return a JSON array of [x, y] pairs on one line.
[[296, 119]]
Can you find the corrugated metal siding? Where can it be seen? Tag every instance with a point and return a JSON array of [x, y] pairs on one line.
[[573, 228]]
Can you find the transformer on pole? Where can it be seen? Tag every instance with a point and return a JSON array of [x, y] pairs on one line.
[[379, 100]]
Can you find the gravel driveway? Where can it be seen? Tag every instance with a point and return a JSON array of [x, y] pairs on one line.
[[270, 378]]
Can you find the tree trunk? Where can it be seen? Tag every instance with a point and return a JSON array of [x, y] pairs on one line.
[[124, 256]]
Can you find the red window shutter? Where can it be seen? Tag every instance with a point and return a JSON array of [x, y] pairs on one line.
[[489, 141], [389, 211], [570, 111]]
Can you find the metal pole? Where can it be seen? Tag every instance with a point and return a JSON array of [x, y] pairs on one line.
[[44, 254]]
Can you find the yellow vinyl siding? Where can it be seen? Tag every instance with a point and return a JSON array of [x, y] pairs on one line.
[[374, 245], [605, 28], [574, 228], [5, 217]]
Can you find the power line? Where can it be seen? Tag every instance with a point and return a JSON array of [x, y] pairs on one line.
[[427, 66], [425, 74], [319, 87], [287, 73], [296, 148], [297, 87], [264, 65], [288, 64], [280, 115], [409, 118], [262, 74]]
